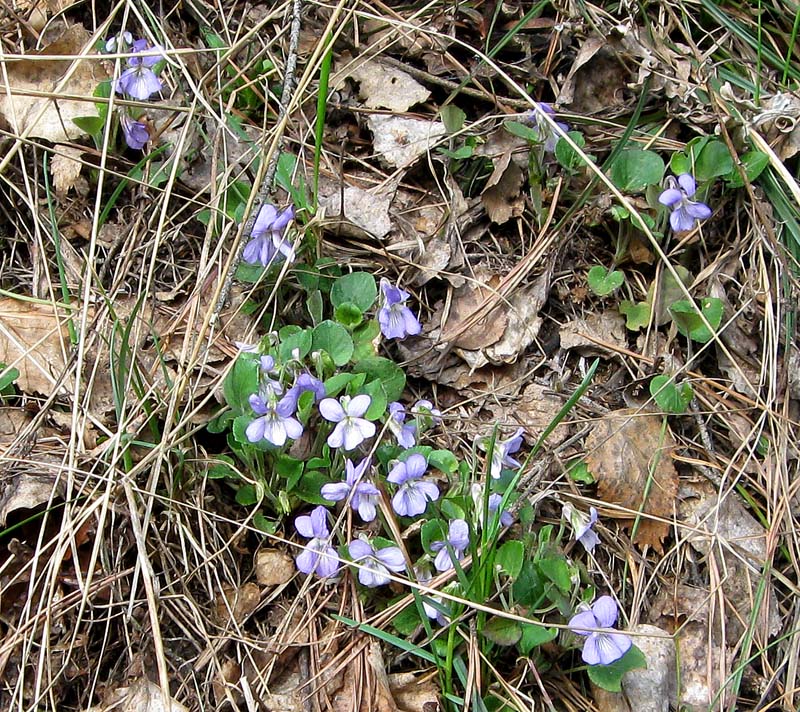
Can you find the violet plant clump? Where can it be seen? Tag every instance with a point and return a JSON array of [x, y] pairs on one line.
[[685, 212], [603, 644], [547, 136]]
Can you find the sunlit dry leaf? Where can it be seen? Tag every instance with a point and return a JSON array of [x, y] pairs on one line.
[[141, 696], [400, 141], [413, 692], [628, 457], [237, 603], [502, 198], [65, 168], [21, 101], [365, 213], [588, 335], [33, 339], [26, 491], [385, 87]]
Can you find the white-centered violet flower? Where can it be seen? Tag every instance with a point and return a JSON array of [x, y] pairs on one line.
[[582, 526], [375, 563], [139, 81], [458, 539], [413, 492], [603, 644], [406, 433], [303, 383], [365, 495], [135, 132], [423, 576], [351, 429], [276, 423], [267, 240], [396, 320], [318, 556], [547, 136], [119, 42], [502, 451], [677, 196]]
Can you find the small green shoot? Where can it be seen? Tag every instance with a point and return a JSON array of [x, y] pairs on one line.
[[670, 397]]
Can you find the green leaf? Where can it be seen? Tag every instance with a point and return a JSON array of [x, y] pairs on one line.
[[535, 635], [309, 486], [220, 423], [522, 131], [557, 571], [579, 472], [680, 163], [391, 376], [92, 125], [364, 337], [460, 154], [406, 621], [502, 631], [240, 383], [754, 163], [567, 156], [714, 160], [432, 530], [510, 557], [443, 460], [314, 304], [358, 288], [452, 510], [636, 168], [669, 291], [528, 587], [333, 338], [453, 118], [670, 397], [336, 384], [291, 469], [246, 496], [222, 470], [609, 677], [378, 404], [7, 376], [602, 282], [348, 315], [688, 320], [637, 316], [294, 338]]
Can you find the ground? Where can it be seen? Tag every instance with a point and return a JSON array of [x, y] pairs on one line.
[[370, 356]]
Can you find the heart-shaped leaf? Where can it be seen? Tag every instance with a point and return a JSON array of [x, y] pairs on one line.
[[602, 282]]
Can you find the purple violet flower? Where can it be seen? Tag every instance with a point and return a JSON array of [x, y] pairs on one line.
[[365, 495], [502, 451], [270, 387], [375, 563], [404, 432], [685, 212], [495, 500], [424, 409], [423, 576], [506, 518], [306, 382], [396, 320], [547, 135], [351, 429], [318, 556], [135, 132], [275, 424], [458, 539], [139, 81], [413, 492], [603, 645], [267, 239]]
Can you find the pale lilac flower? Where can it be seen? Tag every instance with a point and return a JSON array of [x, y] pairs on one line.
[[404, 432], [506, 518], [685, 212], [603, 645], [458, 539], [318, 556], [582, 526], [139, 81], [267, 239], [547, 135], [135, 132], [365, 495], [276, 424], [423, 576], [121, 42], [396, 320], [375, 563], [306, 382], [413, 492], [502, 451], [424, 409], [270, 387], [351, 429]]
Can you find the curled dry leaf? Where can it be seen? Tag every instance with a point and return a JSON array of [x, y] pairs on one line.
[[365, 213], [273, 567], [590, 335], [28, 112], [629, 456], [469, 326]]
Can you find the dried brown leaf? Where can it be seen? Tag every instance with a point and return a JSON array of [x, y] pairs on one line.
[[588, 335], [385, 87], [467, 300], [400, 141], [628, 457], [65, 168], [21, 100], [141, 696], [273, 567]]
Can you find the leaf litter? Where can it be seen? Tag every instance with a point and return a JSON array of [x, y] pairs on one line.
[[498, 347]]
